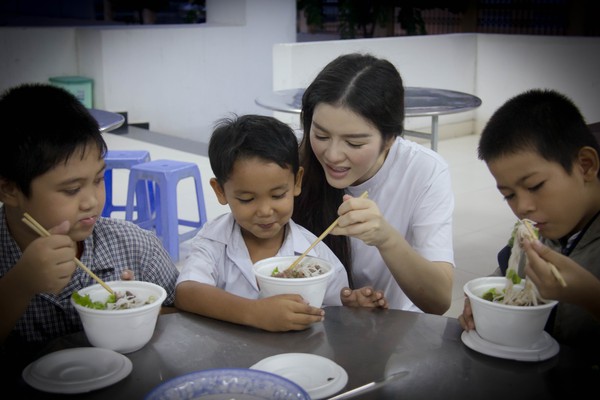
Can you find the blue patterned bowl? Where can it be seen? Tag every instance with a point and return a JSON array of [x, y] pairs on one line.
[[228, 383]]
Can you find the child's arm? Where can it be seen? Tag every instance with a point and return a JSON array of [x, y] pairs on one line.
[[582, 287], [363, 297], [276, 314], [46, 266]]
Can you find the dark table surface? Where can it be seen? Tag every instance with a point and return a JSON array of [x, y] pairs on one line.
[[368, 344]]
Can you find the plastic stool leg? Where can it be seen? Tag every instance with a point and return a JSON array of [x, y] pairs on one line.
[[125, 159], [168, 218], [108, 205], [165, 176]]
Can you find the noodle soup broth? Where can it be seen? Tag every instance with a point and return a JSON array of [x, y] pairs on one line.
[[124, 330], [507, 325], [312, 289]]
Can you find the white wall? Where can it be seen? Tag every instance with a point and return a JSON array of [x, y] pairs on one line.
[[510, 64], [180, 78], [35, 54]]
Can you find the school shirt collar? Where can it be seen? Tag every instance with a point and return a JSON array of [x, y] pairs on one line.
[[228, 232]]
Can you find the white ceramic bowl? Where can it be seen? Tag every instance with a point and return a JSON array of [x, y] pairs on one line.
[[124, 331], [311, 289], [514, 326]]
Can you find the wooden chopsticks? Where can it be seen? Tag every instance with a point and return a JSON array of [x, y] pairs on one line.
[[553, 268], [40, 230], [329, 229]]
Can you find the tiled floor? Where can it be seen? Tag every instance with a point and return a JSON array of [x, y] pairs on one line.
[[482, 221]]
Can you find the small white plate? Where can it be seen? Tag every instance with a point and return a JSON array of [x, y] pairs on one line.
[[319, 376], [541, 350], [77, 370]]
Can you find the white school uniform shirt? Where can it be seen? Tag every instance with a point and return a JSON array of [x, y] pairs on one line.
[[219, 257], [413, 192]]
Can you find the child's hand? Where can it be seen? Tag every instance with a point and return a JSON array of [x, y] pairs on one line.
[[127, 275], [363, 297], [580, 287], [47, 263], [466, 318], [286, 312]]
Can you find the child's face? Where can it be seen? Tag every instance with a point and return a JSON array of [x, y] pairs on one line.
[[260, 195], [542, 191], [73, 191]]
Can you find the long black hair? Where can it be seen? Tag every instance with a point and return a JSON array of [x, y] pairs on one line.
[[372, 88]]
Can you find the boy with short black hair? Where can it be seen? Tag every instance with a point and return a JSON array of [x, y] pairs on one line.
[[546, 164], [52, 167], [256, 165]]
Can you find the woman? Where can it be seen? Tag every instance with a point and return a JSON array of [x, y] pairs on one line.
[[399, 239]]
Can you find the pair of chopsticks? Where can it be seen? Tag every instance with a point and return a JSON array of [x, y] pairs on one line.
[[553, 268], [40, 230], [325, 233]]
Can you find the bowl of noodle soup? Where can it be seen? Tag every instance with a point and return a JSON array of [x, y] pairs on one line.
[[126, 327], [311, 282], [513, 324]]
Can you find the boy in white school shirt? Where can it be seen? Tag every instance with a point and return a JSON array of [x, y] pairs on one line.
[[256, 165]]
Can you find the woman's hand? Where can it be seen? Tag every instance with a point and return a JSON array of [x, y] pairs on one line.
[[363, 297], [361, 218]]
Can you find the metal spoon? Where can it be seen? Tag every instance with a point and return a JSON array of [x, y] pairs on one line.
[[369, 386]]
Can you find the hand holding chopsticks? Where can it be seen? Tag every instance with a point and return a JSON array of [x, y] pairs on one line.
[[553, 268], [325, 233], [40, 230]]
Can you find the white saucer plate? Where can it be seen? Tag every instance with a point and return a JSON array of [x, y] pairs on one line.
[[546, 347], [77, 370], [319, 376]]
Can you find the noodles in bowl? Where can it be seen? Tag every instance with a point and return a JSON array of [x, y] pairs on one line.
[[305, 270], [312, 288], [124, 326], [509, 310], [505, 324]]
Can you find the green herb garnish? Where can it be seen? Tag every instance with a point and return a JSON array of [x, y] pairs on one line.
[[513, 276], [86, 301]]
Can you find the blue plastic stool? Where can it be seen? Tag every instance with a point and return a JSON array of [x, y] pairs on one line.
[[165, 175], [125, 159]]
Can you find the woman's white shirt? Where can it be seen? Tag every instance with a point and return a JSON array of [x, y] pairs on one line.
[[414, 193]]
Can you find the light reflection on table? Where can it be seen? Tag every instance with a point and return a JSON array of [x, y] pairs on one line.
[[368, 344]]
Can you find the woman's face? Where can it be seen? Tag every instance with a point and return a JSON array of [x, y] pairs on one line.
[[349, 148]]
